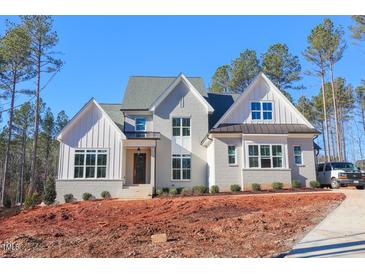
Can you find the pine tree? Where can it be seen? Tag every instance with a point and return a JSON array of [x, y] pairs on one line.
[[221, 80]]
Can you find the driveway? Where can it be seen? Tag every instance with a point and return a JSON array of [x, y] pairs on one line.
[[340, 234]]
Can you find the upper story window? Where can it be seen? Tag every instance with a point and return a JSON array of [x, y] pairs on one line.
[[90, 163], [180, 126], [140, 124], [261, 110]]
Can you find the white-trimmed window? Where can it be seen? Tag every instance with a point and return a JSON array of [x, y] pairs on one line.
[[90, 163], [140, 124], [265, 156], [181, 167], [232, 155], [180, 126], [261, 110], [298, 159]]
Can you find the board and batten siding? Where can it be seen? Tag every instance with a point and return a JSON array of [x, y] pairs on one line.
[[92, 131], [262, 91]]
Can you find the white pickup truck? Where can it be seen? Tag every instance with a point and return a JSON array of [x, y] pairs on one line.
[[336, 174]]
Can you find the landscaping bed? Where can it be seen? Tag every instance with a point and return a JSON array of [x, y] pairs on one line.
[[200, 226]]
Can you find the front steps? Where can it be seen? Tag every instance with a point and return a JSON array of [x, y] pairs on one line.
[[136, 192]]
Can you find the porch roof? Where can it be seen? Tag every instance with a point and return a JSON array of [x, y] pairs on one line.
[[264, 129]]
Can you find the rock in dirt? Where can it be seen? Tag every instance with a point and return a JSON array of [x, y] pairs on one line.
[[159, 238]]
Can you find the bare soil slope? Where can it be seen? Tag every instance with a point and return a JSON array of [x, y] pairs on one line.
[[208, 226]]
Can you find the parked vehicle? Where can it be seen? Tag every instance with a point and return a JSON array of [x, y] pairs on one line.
[[336, 174]]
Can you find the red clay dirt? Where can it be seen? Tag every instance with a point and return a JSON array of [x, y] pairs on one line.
[[208, 226]]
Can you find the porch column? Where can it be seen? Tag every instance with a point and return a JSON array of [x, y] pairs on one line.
[[153, 162]]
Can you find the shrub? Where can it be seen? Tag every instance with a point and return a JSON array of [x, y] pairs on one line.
[[214, 189], [179, 189], [315, 184], [296, 184], [277, 185], [159, 191], [69, 198], [165, 190], [50, 191], [87, 196], [235, 188], [7, 203], [186, 191], [33, 200], [200, 189], [105, 194], [173, 191], [256, 187]]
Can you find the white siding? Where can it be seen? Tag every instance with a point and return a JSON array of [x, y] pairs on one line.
[[92, 131], [262, 91], [211, 164]]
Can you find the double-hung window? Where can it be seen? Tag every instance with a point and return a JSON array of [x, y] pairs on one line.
[[265, 156], [232, 155], [298, 155], [181, 167], [140, 124], [180, 126], [261, 110], [90, 163]]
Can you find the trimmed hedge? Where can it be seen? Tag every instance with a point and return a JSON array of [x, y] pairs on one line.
[[105, 195], [87, 196], [296, 184], [315, 184], [277, 185], [235, 188], [256, 187], [200, 189], [69, 198], [214, 189]]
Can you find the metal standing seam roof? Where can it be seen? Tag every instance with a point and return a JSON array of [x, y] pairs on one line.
[[142, 91], [264, 129]]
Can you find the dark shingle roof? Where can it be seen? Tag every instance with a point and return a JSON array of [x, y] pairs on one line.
[[114, 112], [263, 128], [142, 91], [220, 103]]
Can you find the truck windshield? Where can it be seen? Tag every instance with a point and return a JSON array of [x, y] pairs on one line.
[[343, 166]]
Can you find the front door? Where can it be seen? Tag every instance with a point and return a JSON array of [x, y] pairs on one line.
[[139, 170]]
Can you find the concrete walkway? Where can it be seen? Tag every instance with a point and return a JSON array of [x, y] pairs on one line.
[[340, 234]]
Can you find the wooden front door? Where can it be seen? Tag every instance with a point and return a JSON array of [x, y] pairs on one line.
[[139, 169]]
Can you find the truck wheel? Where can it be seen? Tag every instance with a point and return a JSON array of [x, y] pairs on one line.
[[334, 184], [360, 187]]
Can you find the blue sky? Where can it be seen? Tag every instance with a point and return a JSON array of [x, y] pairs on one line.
[[101, 52]]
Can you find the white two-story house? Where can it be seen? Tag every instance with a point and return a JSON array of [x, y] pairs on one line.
[[169, 132]]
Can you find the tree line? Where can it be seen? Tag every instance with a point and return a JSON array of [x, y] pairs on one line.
[[338, 110], [27, 142]]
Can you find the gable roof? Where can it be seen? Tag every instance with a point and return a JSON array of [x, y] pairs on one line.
[[220, 103], [171, 87], [114, 112], [82, 111], [142, 91], [262, 77]]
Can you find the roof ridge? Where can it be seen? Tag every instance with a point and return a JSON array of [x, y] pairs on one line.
[[224, 94], [109, 103]]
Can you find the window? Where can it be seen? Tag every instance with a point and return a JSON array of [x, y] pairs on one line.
[[140, 124], [320, 167], [298, 155], [328, 167], [232, 155], [265, 156], [181, 167], [256, 110], [261, 110], [90, 163], [180, 126]]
